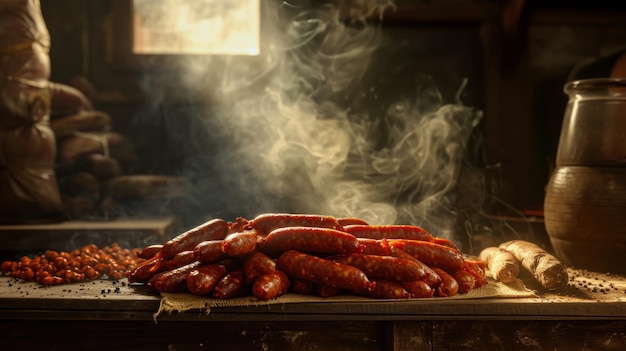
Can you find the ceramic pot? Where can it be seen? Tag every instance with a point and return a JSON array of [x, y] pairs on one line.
[[585, 202]]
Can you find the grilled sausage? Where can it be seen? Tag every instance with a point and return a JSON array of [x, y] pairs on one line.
[[322, 271], [374, 246], [383, 267], [202, 280], [432, 254], [240, 243], [448, 285], [180, 259], [431, 277], [387, 289], [150, 251], [270, 285], [271, 221], [258, 264], [209, 251], [419, 289], [465, 281], [145, 270], [174, 280], [389, 232], [232, 285], [212, 230], [311, 239]]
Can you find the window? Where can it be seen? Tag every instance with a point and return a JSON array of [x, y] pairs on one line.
[[196, 27]]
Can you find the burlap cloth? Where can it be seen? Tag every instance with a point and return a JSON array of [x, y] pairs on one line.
[[181, 302]]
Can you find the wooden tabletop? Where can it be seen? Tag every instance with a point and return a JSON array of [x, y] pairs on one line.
[[588, 296]]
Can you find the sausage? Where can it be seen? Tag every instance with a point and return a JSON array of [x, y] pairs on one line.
[[150, 251], [432, 254], [445, 242], [322, 271], [311, 239], [477, 270], [232, 285], [344, 221], [383, 267], [258, 264], [465, 280], [209, 251], [174, 280], [301, 286], [387, 289], [202, 280], [419, 289], [448, 286], [431, 277], [145, 270], [271, 221], [212, 230], [374, 246], [270, 285], [181, 259], [389, 232], [240, 243]]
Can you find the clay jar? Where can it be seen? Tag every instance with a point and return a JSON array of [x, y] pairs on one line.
[[585, 202]]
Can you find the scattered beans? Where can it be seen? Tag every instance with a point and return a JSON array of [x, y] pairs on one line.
[[87, 263]]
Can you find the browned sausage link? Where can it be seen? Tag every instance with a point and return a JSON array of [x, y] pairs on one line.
[[174, 280], [389, 232], [322, 271], [344, 221], [301, 286], [432, 278], [477, 270], [448, 286], [209, 251], [145, 270], [232, 285], [203, 279], [432, 254], [180, 259], [383, 267], [465, 280], [257, 264], [215, 229], [326, 291], [240, 244], [271, 221], [419, 289], [387, 289], [150, 251], [270, 285], [311, 239], [374, 246]]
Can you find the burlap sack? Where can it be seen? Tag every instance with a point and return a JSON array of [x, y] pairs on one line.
[[28, 184]]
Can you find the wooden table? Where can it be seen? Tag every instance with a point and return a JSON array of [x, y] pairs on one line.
[[590, 314]]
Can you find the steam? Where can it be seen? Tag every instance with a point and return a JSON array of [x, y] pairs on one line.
[[308, 127]]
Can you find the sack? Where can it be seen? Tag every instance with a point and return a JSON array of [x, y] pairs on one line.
[[28, 185]]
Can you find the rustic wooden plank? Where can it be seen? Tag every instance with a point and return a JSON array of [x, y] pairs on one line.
[[529, 335], [411, 335], [133, 335]]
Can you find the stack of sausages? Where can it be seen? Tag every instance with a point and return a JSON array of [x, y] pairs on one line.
[[276, 253]]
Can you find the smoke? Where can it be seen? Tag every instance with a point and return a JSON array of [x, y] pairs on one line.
[[315, 125]]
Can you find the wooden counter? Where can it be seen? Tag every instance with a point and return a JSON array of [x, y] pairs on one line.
[[589, 314]]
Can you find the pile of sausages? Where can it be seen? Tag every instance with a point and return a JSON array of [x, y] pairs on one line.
[[275, 253]]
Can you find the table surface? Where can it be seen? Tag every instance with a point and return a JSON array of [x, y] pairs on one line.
[[589, 295]]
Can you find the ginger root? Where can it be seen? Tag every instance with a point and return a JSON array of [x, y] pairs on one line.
[[501, 264], [542, 265]]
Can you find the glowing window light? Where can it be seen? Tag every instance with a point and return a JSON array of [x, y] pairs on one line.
[[221, 27]]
